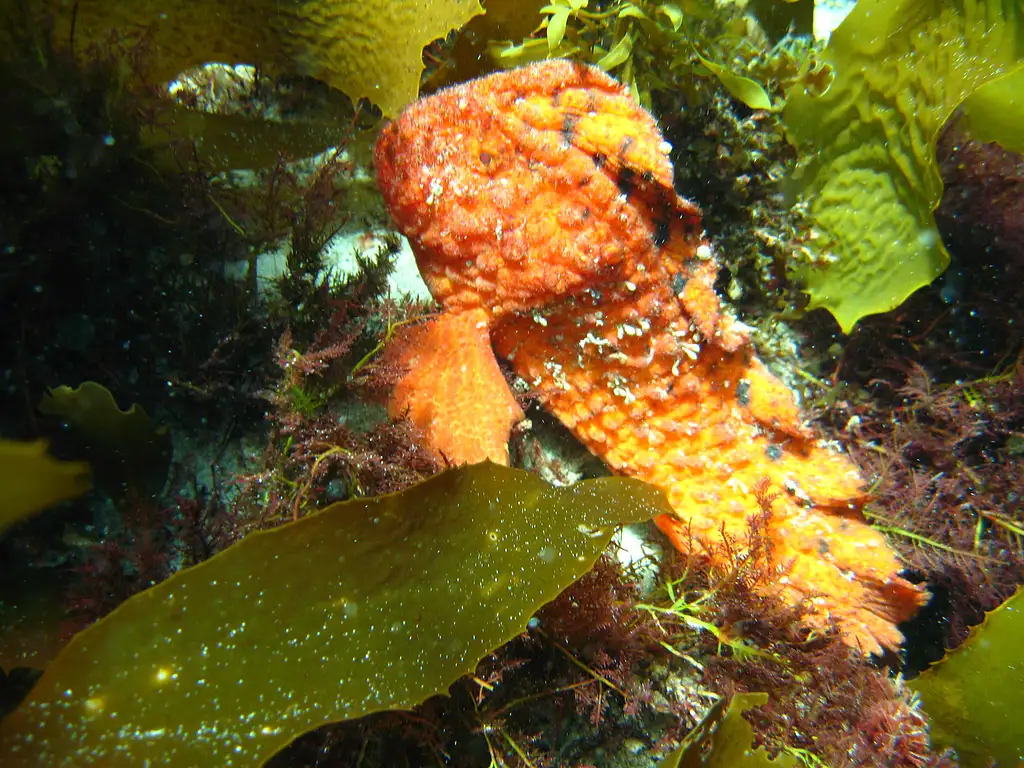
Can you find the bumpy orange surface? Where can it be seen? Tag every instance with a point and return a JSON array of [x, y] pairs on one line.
[[446, 357], [541, 201]]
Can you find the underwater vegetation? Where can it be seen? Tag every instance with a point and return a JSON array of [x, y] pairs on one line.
[[974, 693], [868, 171], [314, 456], [369, 605], [993, 112], [984, 217], [113, 270], [365, 48], [949, 452], [649, 46], [725, 736], [33, 480], [127, 450]]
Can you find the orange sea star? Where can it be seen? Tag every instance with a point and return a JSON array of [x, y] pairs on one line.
[[540, 203]]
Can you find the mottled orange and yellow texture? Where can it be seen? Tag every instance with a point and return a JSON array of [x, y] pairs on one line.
[[541, 202]]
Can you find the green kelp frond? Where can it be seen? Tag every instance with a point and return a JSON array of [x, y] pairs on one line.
[[232, 142], [31, 480], [366, 48], [723, 739], [995, 112], [868, 172], [781, 17], [126, 447], [368, 605], [974, 697]]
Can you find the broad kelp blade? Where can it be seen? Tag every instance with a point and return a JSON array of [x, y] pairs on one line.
[[368, 605], [974, 697], [31, 480], [868, 171]]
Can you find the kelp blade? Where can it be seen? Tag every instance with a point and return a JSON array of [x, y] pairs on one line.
[[31, 480], [368, 605], [127, 449], [869, 172], [974, 697], [996, 112], [369, 49]]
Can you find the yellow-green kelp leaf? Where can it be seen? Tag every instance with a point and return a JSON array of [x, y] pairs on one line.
[[995, 112], [31, 480], [233, 142], [368, 605], [367, 48], [778, 17], [127, 448], [974, 697], [723, 739], [867, 144]]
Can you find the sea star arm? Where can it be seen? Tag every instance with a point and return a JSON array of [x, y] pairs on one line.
[[453, 390]]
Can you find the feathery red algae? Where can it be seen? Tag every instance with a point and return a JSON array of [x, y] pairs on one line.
[[541, 201]]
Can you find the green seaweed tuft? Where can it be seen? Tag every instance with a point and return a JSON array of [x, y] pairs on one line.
[[869, 173], [368, 605], [647, 45], [723, 739]]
